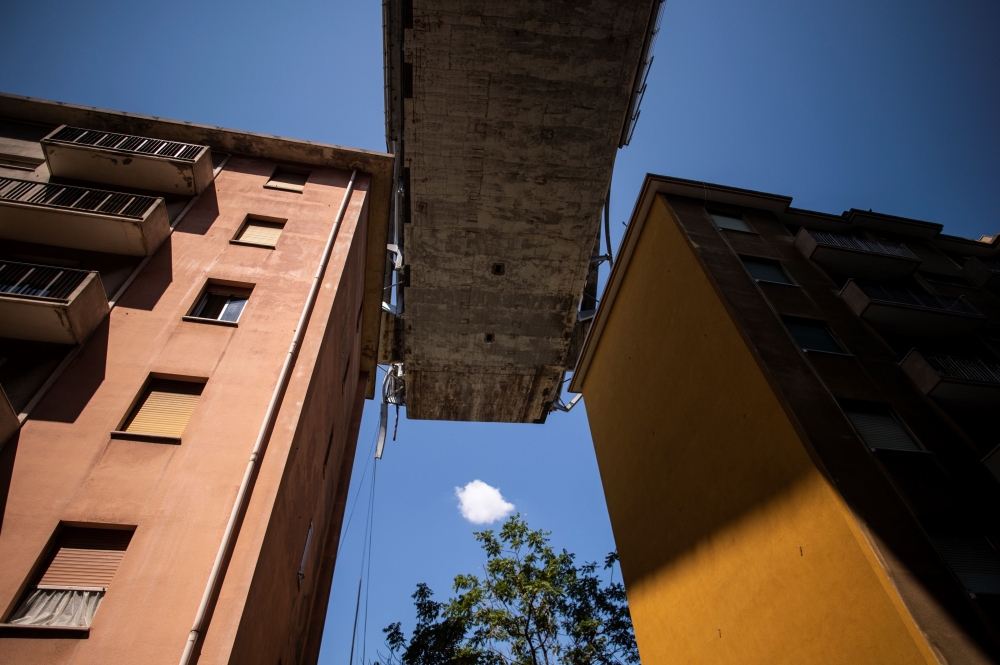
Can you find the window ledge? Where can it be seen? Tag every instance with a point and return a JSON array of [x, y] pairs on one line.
[[44, 632], [251, 244], [842, 354], [285, 188], [216, 322], [148, 438], [768, 281], [753, 233]]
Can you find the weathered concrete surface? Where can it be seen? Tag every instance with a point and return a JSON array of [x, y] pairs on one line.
[[510, 136]]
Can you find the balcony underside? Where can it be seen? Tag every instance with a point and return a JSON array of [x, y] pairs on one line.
[[128, 169], [68, 321], [904, 319], [852, 262], [77, 229], [9, 422], [960, 393]]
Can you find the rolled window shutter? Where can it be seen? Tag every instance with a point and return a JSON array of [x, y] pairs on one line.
[[261, 233], [85, 559], [973, 560], [165, 408], [287, 180], [881, 430]]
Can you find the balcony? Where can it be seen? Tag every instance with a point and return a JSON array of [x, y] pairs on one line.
[[128, 161], [47, 304], [856, 257], [984, 273], [81, 218], [908, 312], [966, 383]]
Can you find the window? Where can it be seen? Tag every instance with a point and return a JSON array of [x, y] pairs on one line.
[[813, 335], [164, 408], [731, 223], [288, 180], [973, 560], [79, 571], [260, 232], [220, 303], [764, 270], [879, 428]]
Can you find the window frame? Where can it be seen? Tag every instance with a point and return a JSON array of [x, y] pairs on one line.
[[781, 266], [120, 433], [737, 216], [849, 406], [250, 218], [222, 288], [283, 187], [785, 320]]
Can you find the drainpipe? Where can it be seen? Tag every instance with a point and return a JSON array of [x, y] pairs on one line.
[[243, 495]]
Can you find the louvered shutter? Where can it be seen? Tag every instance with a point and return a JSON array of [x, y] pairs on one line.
[[287, 180], [973, 560], [881, 430], [165, 407], [259, 232], [85, 559]]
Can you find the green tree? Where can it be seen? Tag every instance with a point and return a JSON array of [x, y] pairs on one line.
[[531, 606]]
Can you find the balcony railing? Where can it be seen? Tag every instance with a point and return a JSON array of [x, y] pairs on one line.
[[861, 244], [127, 143], [965, 369], [917, 299], [83, 199], [35, 281]]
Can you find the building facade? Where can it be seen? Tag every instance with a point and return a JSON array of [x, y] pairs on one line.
[[794, 418], [189, 318]]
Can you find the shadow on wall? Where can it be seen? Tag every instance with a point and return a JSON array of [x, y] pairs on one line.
[[146, 290], [66, 400], [8, 451], [202, 215]]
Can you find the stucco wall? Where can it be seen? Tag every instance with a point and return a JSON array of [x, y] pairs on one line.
[[712, 493], [179, 496]]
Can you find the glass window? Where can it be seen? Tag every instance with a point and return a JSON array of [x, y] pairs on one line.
[[220, 306], [766, 271], [731, 223], [813, 336]]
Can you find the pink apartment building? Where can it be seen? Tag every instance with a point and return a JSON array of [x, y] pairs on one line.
[[188, 327]]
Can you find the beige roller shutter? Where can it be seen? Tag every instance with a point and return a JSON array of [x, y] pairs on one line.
[[85, 558], [259, 232], [165, 407]]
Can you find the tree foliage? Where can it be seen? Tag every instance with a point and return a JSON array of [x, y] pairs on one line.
[[531, 606]]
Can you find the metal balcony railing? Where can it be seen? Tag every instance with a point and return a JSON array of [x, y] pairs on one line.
[[917, 299], [967, 369], [127, 143], [83, 199], [35, 281], [860, 244]]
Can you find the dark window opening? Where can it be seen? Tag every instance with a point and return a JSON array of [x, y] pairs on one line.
[[730, 223], [813, 335], [764, 270], [288, 180], [498, 269]]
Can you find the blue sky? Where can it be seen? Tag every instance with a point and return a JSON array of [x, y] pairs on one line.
[[890, 105]]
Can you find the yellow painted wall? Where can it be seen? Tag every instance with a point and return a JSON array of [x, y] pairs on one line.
[[734, 547]]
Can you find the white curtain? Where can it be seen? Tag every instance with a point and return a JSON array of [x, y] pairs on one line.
[[57, 607]]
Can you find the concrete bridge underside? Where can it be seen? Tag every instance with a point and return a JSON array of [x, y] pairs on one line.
[[505, 117]]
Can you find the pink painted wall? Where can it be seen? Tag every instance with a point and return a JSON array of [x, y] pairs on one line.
[[67, 469]]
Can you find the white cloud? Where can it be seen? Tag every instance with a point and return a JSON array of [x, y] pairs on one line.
[[481, 504]]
